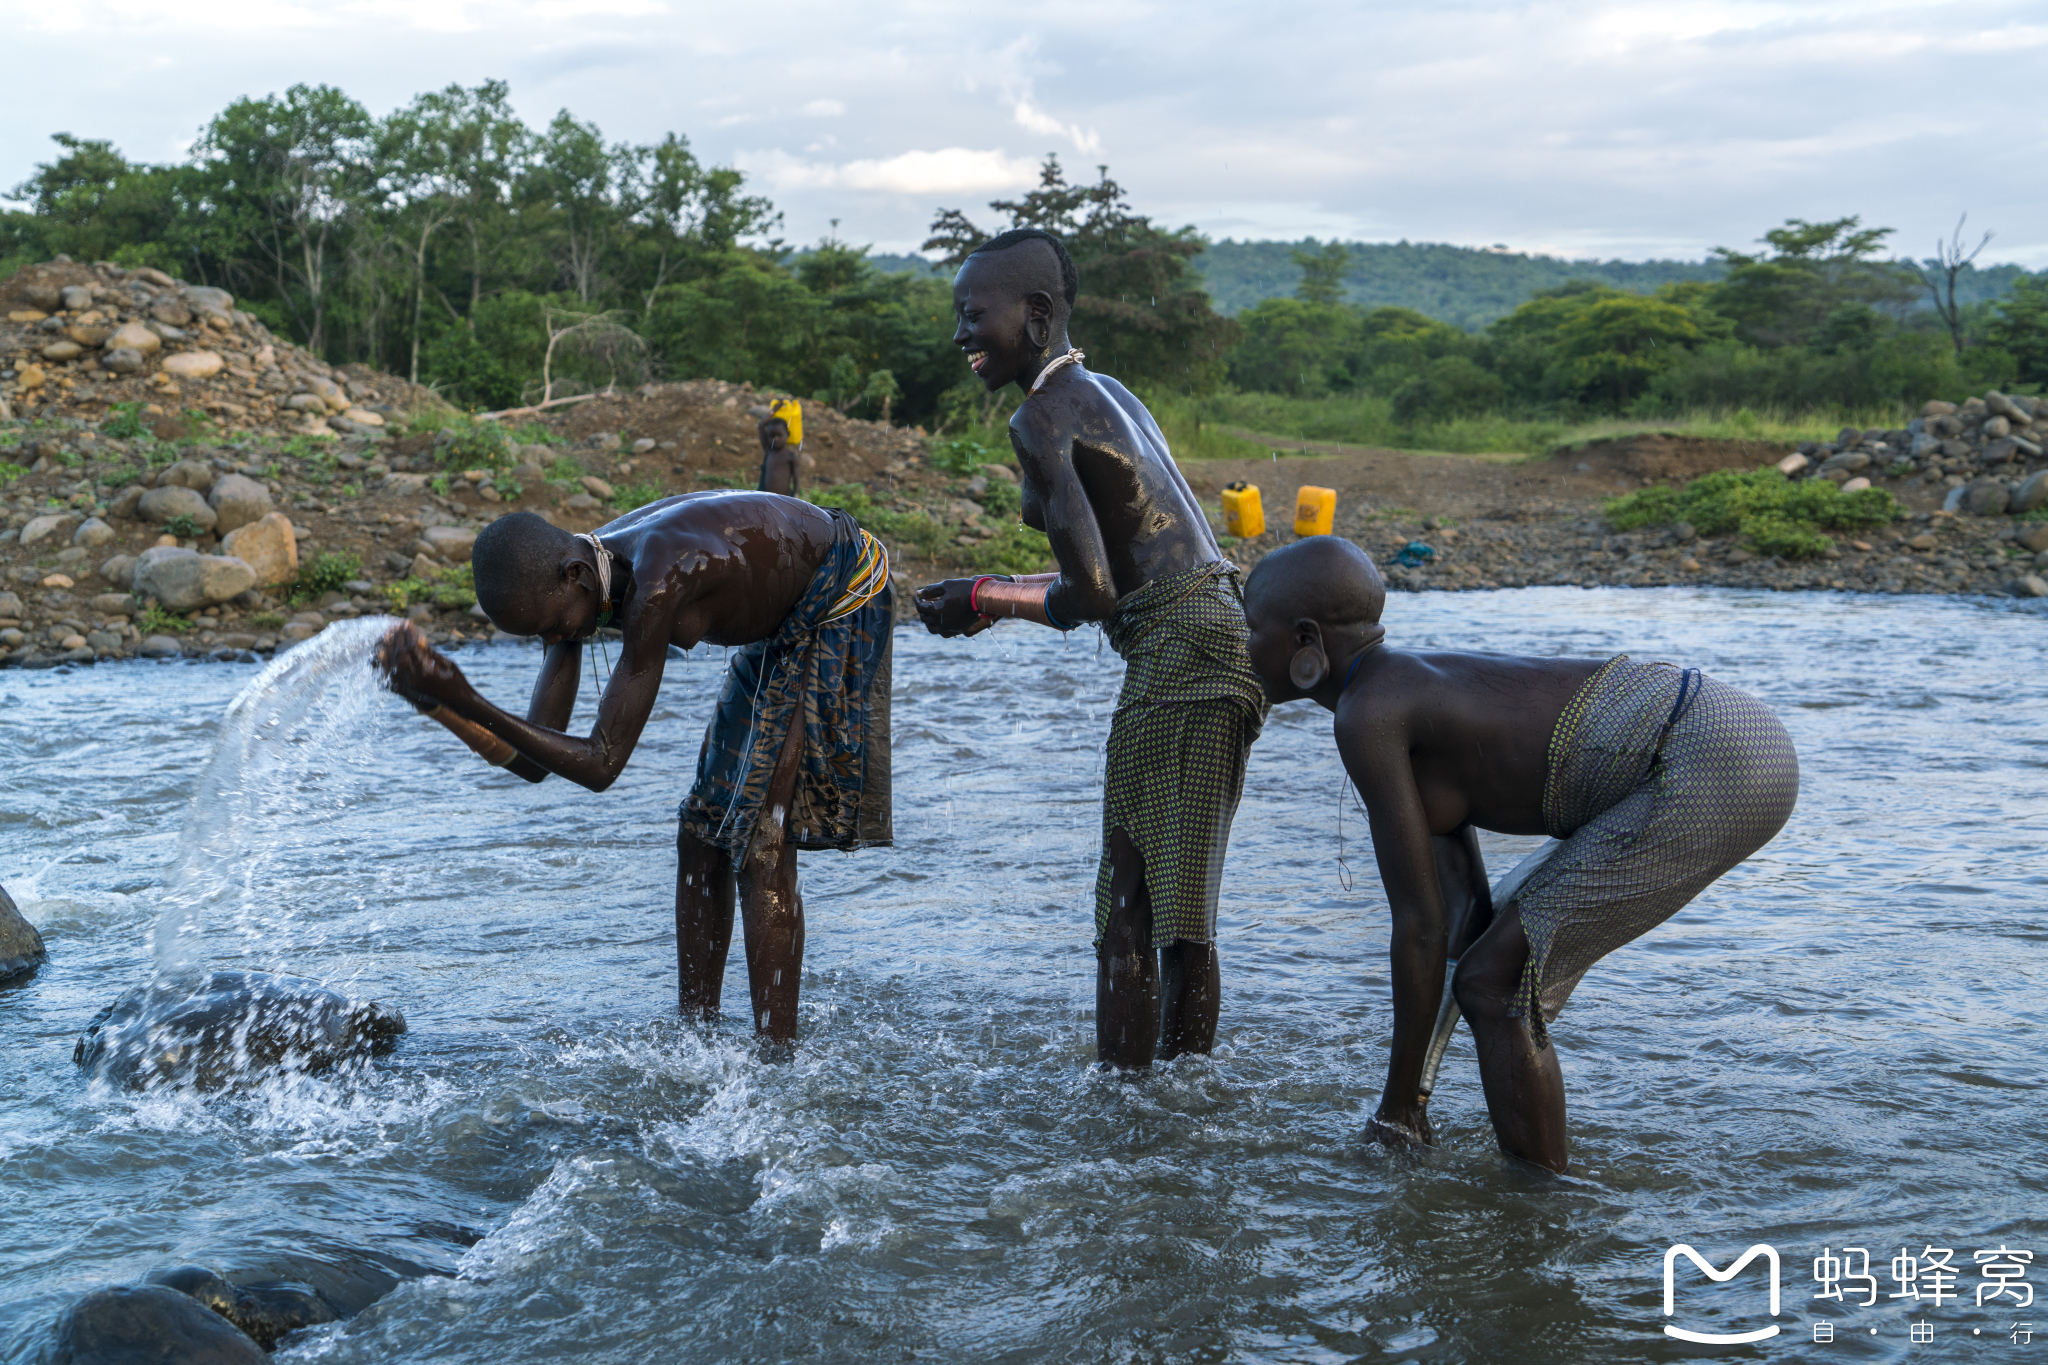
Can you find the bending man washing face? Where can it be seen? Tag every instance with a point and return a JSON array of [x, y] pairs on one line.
[[797, 754], [1656, 780], [1135, 553]]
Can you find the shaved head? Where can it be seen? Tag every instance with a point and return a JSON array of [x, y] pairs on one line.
[[517, 562], [1320, 578], [1032, 260]]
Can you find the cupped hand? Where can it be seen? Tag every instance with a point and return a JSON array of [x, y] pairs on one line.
[[415, 670], [1405, 1129], [946, 609]]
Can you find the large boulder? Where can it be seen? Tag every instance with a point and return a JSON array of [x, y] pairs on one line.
[[238, 500], [196, 475], [43, 528], [1986, 498], [135, 337], [452, 543], [266, 1312], [213, 1030], [183, 579], [171, 313], [76, 297], [119, 570], [159, 505], [149, 1325], [2030, 494], [206, 299], [193, 364], [21, 947], [268, 546], [92, 534]]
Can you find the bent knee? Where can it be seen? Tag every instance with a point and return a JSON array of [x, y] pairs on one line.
[[1484, 987]]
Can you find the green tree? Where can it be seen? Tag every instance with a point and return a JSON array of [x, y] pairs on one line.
[[1786, 296], [291, 170], [2019, 327], [572, 187], [1322, 273], [1610, 349], [1297, 347]]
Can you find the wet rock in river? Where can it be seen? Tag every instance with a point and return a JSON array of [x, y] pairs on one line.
[[266, 1312], [127, 1325], [212, 1030], [21, 947]]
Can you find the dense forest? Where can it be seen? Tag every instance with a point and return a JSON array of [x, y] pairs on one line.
[[501, 264]]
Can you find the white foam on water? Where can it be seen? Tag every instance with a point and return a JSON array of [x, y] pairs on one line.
[[291, 748]]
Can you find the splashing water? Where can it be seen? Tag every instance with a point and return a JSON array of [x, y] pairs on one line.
[[293, 748]]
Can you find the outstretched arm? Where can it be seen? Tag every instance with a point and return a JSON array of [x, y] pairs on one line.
[[1375, 754], [425, 677]]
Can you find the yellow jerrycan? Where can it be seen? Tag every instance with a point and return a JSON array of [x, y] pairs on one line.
[[1243, 516], [1315, 510]]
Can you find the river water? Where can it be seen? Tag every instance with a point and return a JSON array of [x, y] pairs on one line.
[[1838, 1045]]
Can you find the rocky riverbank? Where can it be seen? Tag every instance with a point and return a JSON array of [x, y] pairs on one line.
[[156, 506]]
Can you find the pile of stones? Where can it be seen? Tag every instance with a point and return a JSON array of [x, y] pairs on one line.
[[1988, 452], [77, 339]]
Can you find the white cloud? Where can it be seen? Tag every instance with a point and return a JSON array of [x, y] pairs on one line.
[[950, 170], [1589, 126], [1030, 117]]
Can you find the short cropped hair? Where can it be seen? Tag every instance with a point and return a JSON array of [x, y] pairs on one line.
[[1070, 278], [517, 559]]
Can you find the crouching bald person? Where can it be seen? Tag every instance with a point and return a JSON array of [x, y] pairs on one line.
[[797, 752], [1135, 553], [1654, 780]]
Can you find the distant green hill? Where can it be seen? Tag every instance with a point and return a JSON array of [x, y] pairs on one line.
[[1465, 286]]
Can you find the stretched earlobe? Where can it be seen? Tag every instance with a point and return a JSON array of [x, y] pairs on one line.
[[1308, 668], [1039, 331]]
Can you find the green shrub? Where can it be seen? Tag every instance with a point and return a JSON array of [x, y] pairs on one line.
[[183, 527], [1777, 515], [565, 469], [913, 529], [10, 472], [453, 588], [964, 454], [1003, 498], [157, 621], [126, 422], [325, 573], [536, 434], [1015, 549], [627, 496], [466, 444]]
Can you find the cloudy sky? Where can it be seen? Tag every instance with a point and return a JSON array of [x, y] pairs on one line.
[[1579, 129]]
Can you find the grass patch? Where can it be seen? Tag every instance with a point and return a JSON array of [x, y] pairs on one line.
[[452, 588], [966, 453], [126, 422], [728, 481], [267, 620], [1775, 514], [1015, 549], [466, 444], [912, 529], [535, 434], [1193, 435], [324, 574], [156, 621], [627, 496], [565, 469], [1367, 420], [10, 472]]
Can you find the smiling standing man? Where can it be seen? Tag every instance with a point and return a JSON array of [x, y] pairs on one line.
[[1136, 554]]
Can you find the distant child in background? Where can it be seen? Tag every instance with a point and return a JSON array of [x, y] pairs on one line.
[[782, 439], [1655, 779]]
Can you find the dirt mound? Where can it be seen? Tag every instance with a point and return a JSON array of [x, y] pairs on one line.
[[708, 427], [1658, 458], [75, 340]]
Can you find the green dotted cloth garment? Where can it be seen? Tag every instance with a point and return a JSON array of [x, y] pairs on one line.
[[1644, 829], [1185, 721]]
